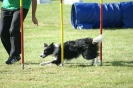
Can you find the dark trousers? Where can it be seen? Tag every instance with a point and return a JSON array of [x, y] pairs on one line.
[[10, 30]]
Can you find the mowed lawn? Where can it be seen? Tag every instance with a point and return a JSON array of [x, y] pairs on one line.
[[116, 72]]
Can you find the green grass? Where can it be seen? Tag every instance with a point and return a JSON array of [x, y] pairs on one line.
[[116, 71]]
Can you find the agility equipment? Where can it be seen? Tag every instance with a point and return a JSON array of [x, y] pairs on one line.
[[22, 34], [101, 27], [62, 32], [115, 15]]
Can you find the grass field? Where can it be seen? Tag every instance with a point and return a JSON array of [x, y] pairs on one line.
[[116, 72]]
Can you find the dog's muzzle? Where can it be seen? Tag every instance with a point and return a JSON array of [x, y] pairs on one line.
[[43, 55]]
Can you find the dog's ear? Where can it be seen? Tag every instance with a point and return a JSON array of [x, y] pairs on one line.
[[45, 45], [52, 43]]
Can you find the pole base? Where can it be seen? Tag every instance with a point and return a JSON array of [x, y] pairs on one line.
[[23, 66], [101, 63]]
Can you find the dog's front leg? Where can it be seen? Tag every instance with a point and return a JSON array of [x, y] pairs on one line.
[[45, 63], [57, 62], [49, 62]]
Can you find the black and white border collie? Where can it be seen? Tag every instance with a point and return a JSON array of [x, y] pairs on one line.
[[87, 47]]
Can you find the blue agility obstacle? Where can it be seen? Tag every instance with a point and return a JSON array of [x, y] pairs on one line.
[[115, 15]]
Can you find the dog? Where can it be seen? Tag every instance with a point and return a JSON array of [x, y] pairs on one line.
[[87, 47]]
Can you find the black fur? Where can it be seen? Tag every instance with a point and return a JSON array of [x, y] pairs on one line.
[[72, 49]]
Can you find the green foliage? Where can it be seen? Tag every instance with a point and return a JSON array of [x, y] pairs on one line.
[[116, 71]]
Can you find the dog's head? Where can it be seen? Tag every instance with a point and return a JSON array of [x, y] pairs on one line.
[[48, 50]]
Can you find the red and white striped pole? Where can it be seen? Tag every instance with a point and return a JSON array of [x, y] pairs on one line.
[[101, 26], [22, 34]]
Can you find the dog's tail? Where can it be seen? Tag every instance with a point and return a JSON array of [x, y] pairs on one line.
[[98, 39]]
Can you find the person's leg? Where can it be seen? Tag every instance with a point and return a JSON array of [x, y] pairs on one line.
[[15, 38], [5, 22], [15, 34]]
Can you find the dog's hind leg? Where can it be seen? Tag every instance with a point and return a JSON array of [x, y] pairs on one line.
[[92, 62], [95, 60]]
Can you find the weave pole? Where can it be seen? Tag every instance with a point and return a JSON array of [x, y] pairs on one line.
[[101, 26], [62, 32], [21, 31]]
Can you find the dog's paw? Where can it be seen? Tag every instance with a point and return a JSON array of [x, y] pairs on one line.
[[61, 65], [42, 64], [45, 63]]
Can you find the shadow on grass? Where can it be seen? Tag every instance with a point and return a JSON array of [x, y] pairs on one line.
[[113, 63], [78, 64], [67, 64], [119, 63], [32, 63]]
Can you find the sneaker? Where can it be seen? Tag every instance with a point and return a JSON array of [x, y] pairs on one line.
[[18, 57], [13, 59]]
